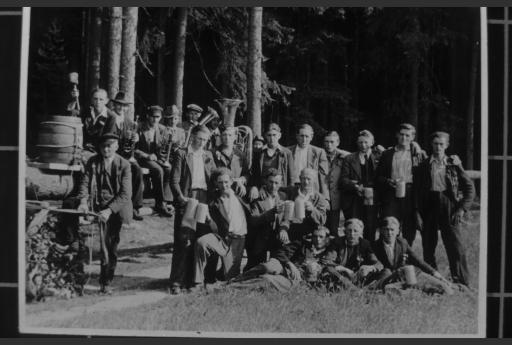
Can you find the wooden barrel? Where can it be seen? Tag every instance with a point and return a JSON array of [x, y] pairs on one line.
[[60, 140]]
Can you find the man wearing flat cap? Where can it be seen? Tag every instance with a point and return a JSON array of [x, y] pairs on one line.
[[106, 189], [126, 129], [172, 119], [150, 152], [192, 114], [273, 156]]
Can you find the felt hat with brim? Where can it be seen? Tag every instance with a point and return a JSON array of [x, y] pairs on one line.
[[108, 137], [172, 111], [194, 107], [154, 110], [121, 99]]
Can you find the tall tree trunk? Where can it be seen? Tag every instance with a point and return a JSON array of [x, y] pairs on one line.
[[415, 77], [128, 56], [179, 57], [470, 116], [95, 50], [114, 58], [160, 79], [254, 75]]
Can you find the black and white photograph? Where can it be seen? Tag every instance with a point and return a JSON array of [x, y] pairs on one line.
[[254, 172]]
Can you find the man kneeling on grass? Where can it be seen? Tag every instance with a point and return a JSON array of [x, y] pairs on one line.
[[402, 266], [355, 259], [228, 222], [295, 262]]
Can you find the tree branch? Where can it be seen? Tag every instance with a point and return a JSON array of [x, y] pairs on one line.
[[202, 68]]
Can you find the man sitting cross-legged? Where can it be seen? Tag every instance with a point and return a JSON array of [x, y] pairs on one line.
[[228, 222], [356, 260], [299, 261], [394, 252]]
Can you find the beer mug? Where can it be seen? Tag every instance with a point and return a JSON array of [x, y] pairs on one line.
[[400, 189], [368, 196]]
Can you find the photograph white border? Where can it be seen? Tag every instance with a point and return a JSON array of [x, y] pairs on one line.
[[482, 285]]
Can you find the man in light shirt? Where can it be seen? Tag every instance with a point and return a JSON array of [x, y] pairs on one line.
[[306, 155], [106, 188], [229, 214], [191, 174], [226, 155], [396, 166], [438, 182]]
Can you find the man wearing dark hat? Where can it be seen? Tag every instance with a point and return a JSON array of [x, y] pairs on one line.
[[126, 129], [273, 156], [150, 152], [172, 119], [106, 189], [192, 114]]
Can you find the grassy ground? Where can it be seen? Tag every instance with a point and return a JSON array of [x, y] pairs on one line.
[[299, 310]]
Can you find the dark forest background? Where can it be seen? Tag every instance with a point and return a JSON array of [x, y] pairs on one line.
[[343, 69]]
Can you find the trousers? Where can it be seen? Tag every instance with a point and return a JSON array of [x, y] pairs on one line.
[[403, 210], [161, 178], [438, 217], [230, 251]]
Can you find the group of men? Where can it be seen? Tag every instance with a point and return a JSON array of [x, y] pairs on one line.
[[284, 208]]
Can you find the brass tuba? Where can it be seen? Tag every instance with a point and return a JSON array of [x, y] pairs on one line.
[[208, 117]]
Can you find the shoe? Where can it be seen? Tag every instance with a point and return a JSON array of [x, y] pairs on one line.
[[163, 211], [105, 290], [136, 215], [175, 290], [196, 288]]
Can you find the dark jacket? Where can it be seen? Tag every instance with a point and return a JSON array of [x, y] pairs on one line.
[[316, 159], [351, 171], [120, 180], [298, 252], [285, 167], [143, 147], [237, 163], [383, 172], [401, 248], [220, 216], [125, 132], [94, 130], [333, 179], [263, 216], [456, 181], [361, 254], [181, 177]]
